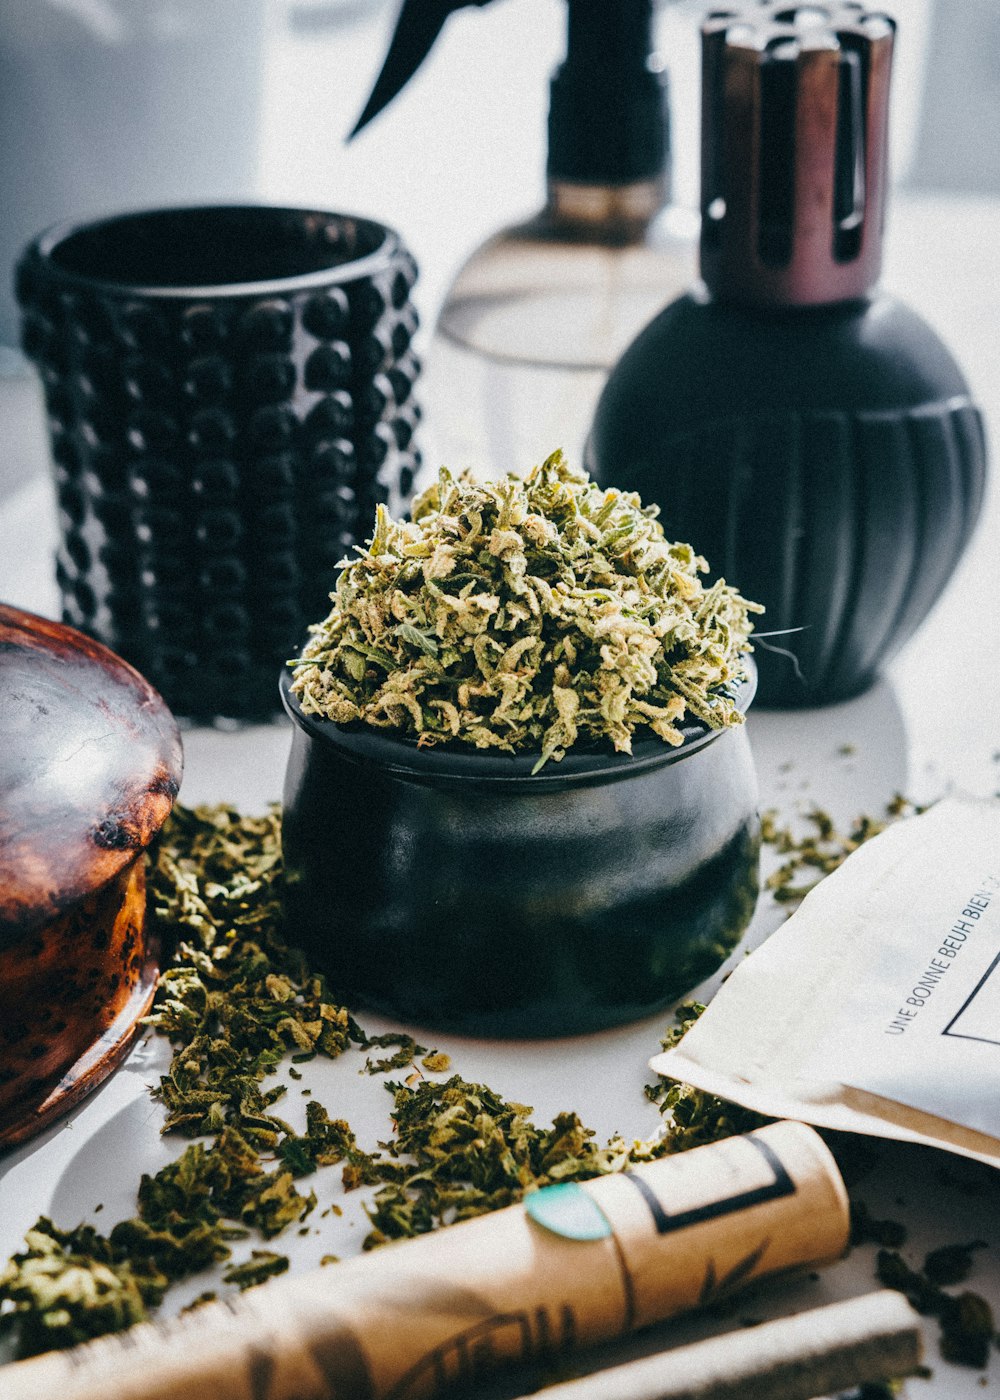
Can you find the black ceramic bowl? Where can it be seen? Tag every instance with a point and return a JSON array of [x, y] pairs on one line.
[[453, 889]]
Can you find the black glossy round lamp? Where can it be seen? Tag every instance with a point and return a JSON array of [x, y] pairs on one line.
[[810, 435]]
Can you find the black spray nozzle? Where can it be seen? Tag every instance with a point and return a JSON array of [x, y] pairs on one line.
[[608, 113], [608, 121], [418, 25]]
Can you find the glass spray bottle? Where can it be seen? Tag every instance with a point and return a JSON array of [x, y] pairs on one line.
[[539, 313]]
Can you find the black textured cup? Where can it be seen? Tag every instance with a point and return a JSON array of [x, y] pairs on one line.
[[229, 394]]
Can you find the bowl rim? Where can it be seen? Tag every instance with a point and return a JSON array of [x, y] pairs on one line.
[[44, 247], [396, 754]]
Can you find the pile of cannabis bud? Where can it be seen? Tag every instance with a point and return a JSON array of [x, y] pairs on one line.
[[527, 615]]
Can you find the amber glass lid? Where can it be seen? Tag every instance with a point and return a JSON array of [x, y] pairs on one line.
[[90, 763]]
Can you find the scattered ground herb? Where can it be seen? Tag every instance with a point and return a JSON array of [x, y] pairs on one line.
[[326, 1142], [966, 1319], [952, 1263], [236, 999], [66, 1286], [236, 1003], [209, 1296], [527, 615], [822, 849], [69, 1285], [405, 1055], [865, 1229], [262, 1265], [461, 1150], [692, 1118]]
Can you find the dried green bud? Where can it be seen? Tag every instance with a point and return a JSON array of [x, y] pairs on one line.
[[527, 615], [262, 1265], [952, 1263], [68, 1286], [967, 1326], [823, 849], [461, 1150], [692, 1118]]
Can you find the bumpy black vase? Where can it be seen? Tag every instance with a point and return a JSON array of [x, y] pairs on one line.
[[229, 393], [814, 439]]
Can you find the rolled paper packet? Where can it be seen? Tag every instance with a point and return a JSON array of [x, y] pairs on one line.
[[572, 1265], [819, 1352]]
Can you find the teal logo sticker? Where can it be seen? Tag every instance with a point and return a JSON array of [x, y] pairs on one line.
[[567, 1209]]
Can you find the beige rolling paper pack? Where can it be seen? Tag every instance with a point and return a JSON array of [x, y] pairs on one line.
[[579, 1266]]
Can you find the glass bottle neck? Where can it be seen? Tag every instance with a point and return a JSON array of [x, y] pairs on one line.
[[617, 211]]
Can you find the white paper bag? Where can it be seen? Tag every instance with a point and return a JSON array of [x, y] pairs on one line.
[[876, 1007]]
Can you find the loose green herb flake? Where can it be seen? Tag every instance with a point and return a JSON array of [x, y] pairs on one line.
[[823, 849], [405, 1055], [188, 1214], [326, 1142], [865, 1229], [692, 1118], [460, 1150], [527, 615], [952, 1263], [67, 1286], [967, 1326], [967, 1329], [262, 1265], [236, 1002], [209, 1296]]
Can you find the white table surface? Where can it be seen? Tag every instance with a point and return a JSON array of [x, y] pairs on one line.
[[931, 724]]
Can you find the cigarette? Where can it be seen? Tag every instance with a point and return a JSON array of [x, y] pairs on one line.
[[572, 1265], [820, 1352]]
